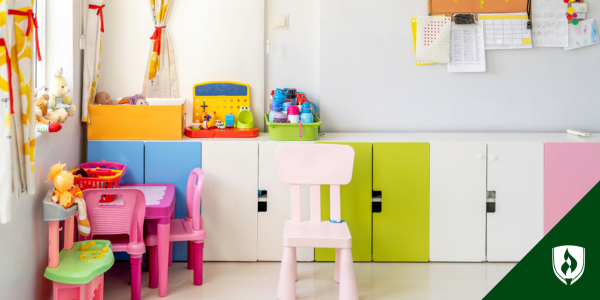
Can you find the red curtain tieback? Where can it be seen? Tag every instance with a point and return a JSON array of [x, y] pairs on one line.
[[9, 70], [156, 36], [99, 12], [30, 19]]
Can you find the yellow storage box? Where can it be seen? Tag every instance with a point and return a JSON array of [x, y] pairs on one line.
[[162, 119]]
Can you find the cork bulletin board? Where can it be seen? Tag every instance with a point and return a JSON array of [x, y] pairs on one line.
[[476, 6]]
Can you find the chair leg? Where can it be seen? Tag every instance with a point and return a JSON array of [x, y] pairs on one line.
[[348, 290], [152, 257], [295, 265], [336, 274], [170, 254], [287, 280], [198, 262], [100, 290], [136, 277], [190, 255]]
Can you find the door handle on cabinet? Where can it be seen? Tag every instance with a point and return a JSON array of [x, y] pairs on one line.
[[376, 201], [490, 202], [262, 201], [480, 156], [493, 157]]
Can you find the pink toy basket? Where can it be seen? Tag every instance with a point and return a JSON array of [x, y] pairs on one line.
[[102, 175]]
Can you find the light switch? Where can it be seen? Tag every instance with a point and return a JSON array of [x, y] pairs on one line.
[[280, 22]]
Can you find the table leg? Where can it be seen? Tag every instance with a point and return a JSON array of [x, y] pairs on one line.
[[171, 243], [163, 228]]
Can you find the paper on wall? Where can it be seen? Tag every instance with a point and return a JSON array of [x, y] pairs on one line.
[[549, 22], [467, 49], [506, 31], [413, 24], [433, 39], [582, 35]]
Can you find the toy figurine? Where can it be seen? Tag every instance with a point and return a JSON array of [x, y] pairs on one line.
[[209, 120], [219, 124], [65, 193]]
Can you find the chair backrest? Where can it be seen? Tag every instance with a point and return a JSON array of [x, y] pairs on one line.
[[315, 165], [194, 197], [112, 220]]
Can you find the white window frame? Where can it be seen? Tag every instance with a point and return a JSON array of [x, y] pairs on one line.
[[40, 66]]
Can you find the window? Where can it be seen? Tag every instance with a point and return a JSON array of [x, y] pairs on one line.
[[39, 79]]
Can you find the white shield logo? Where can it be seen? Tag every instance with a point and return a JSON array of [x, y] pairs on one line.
[[568, 263]]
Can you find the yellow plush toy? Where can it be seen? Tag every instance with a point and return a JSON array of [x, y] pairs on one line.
[[65, 193], [58, 94]]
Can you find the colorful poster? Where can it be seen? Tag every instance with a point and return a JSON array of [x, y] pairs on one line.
[[478, 6]]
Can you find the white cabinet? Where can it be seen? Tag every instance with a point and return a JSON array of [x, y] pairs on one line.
[[516, 173], [457, 201], [278, 206], [229, 206]]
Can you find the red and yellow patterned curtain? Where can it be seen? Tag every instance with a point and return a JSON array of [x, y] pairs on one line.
[[160, 79]]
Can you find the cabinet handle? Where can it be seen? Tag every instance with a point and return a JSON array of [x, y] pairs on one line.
[[480, 156], [490, 202], [493, 157], [377, 200], [262, 201]]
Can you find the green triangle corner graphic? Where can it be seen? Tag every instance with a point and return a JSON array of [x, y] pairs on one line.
[[535, 276]]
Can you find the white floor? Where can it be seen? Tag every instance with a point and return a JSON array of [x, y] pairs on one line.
[[258, 281]]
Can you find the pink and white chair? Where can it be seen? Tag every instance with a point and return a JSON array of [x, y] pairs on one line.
[[123, 225], [316, 165], [189, 229]]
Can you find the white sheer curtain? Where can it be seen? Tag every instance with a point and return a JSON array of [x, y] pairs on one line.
[[91, 59], [160, 79]]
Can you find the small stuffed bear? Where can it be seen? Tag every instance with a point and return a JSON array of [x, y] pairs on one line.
[[103, 98], [41, 109], [57, 116], [58, 94]]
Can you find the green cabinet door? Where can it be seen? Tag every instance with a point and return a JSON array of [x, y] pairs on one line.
[[401, 229], [355, 205]]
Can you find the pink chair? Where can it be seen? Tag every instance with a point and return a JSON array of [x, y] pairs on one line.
[[123, 225], [189, 229], [316, 165]]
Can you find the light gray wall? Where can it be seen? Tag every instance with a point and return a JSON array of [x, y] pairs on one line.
[[369, 82], [24, 241]]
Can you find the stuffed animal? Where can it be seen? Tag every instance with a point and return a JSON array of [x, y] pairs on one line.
[[209, 120], [56, 116], [58, 94], [137, 99], [41, 109], [103, 98], [65, 193], [50, 127]]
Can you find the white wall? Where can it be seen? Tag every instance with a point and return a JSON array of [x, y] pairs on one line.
[[294, 58], [24, 241], [369, 82], [212, 39]]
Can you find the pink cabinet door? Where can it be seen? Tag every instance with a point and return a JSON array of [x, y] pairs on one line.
[[571, 171]]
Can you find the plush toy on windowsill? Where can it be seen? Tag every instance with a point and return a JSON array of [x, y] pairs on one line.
[[137, 99], [65, 193], [58, 116], [59, 100], [42, 124]]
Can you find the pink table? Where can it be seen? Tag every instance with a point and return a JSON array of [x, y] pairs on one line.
[[160, 205]]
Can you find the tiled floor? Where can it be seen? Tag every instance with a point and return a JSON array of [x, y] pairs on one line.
[[258, 281]]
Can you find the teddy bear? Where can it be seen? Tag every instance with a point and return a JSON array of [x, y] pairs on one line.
[[103, 98], [42, 113], [59, 100], [42, 124]]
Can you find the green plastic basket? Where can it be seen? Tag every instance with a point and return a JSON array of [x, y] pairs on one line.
[[291, 132]]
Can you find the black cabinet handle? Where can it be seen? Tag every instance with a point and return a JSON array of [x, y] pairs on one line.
[[377, 201], [262, 204]]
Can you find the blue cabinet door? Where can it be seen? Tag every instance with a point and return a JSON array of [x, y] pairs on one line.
[[130, 153], [172, 163]]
